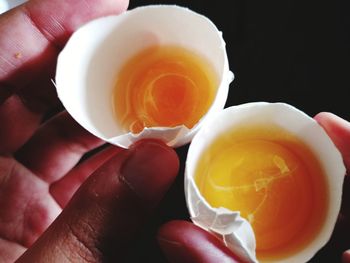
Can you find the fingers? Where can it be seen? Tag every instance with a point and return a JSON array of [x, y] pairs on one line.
[[9, 251], [63, 189], [27, 209], [37, 30], [17, 124], [346, 257], [109, 207], [338, 130], [56, 148], [184, 242], [35, 33]]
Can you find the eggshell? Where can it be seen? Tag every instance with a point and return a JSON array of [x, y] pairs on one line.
[[6, 5], [88, 66], [233, 229]]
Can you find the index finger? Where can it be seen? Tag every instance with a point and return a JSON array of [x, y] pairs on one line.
[[32, 35]]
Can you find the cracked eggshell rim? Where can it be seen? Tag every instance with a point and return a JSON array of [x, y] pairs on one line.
[[234, 230], [88, 65]]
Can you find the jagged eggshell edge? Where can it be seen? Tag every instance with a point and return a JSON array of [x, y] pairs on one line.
[[234, 230], [87, 67]]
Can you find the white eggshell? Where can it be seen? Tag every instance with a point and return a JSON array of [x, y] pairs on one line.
[[87, 67], [234, 230], [6, 5]]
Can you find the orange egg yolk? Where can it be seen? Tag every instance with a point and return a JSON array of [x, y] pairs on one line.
[[273, 180], [164, 86]]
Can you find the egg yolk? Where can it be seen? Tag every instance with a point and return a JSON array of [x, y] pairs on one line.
[[164, 86], [275, 182]]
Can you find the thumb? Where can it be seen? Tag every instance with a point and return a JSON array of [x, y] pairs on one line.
[[109, 207], [338, 130]]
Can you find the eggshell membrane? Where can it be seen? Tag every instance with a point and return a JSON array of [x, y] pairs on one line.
[[233, 229], [88, 65]]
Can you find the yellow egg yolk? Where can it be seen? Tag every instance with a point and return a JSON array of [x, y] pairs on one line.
[[164, 86], [275, 182]]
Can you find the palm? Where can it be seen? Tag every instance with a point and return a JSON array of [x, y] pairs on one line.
[[37, 177], [38, 161], [32, 194], [27, 208]]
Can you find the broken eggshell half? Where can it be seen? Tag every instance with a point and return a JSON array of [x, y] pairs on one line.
[[88, 66], [234, 230]]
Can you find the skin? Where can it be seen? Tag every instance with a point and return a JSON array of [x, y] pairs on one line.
[[57, 207], [181, 246], [338, 130]]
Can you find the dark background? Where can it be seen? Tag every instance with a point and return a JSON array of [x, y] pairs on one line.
[[296, 52]]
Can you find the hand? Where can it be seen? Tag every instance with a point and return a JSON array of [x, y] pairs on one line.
[[38, 171], [182, 245], [40, 167], [339, 131]]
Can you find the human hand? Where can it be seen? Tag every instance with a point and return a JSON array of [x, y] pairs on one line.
[[182, 245], [39, 160], [38, 171], [339, 131]]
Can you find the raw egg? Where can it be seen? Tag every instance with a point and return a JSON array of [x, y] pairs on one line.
[[164, 86], [155, 71], [264, 177], [274, 168]]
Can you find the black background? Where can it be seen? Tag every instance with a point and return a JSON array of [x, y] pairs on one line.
[[296, 52]]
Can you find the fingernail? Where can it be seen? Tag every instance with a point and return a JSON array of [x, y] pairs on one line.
[[150, 169]]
